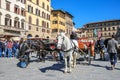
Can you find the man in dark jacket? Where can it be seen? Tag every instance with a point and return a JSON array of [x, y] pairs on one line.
[[73, 35], [112, 48], [101, 47]]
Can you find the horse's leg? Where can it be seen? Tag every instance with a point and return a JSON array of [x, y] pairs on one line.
[[65, 70], [74, 59], [70, 60]]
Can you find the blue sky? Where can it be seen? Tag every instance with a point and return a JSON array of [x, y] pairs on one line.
[[87, 11]]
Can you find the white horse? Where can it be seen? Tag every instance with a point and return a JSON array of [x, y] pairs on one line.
[[68, 48]]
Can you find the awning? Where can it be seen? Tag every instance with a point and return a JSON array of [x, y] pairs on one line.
[[8, 35], [15, 38]]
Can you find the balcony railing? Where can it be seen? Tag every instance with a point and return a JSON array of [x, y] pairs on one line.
[[11, 28]]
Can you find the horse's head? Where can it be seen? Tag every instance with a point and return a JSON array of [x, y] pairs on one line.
[[60, 40]]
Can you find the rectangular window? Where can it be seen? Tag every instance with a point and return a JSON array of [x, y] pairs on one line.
[[47, 8], [37, 12], [37, 2], [48, 31], [10, 22], [16, 24], [43, 5], [23, 1], [30, 9], [0, 3], [29, 27], [113, 28], [16, 9], [22, 25], [7, 5], [37, 22], [54, 30], [0, 19], [23, 12], [43, 30], [104, 29], [55, 22], [37, 29], [54, 15], [6, 21]]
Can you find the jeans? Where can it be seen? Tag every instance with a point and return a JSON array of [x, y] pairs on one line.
[[0, 52], [5, 52], [15, 51], [61, 55], [9, 52], [113, 58]]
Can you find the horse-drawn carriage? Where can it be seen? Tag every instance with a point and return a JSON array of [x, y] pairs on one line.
[[39, 46], [86, 47], [70, 48]]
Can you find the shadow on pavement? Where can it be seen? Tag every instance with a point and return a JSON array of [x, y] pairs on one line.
[[56, 67], [106, 67]]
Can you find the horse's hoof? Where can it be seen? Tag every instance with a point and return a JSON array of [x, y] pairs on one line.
[[64, 71], [69, 71]]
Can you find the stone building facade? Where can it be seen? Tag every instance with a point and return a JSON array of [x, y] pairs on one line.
[[12, 17], [102, 29], [61, 21], [38, 18]]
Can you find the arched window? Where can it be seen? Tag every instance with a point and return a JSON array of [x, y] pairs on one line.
[[8, 21], [36, 35], [16, 22], [23, 24], [29, 35]]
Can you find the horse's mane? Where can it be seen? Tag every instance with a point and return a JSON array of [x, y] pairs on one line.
[[62, 34]]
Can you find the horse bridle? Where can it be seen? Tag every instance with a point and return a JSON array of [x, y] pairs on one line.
[[63, 45], [62, 41]]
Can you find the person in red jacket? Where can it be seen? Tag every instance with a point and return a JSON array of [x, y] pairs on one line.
[[9, 47]]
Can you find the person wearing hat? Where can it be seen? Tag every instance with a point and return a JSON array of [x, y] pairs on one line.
[[112, 48], [73, 35]]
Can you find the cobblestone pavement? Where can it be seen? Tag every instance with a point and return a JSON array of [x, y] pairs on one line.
[[51, 70]]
